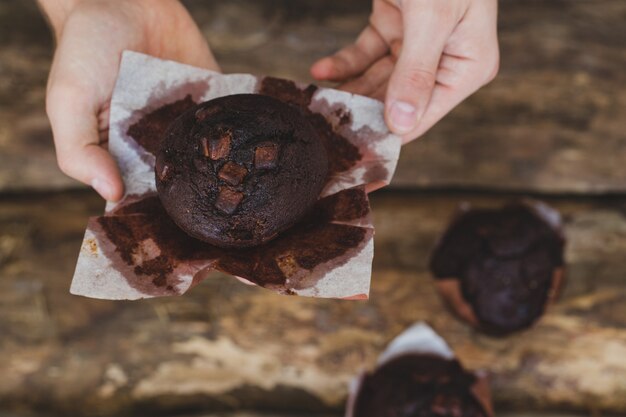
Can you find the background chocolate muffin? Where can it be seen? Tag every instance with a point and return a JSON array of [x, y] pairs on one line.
[[237, 170], [499, 268], [418, 385]]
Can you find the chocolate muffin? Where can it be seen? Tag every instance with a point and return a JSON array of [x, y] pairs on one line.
[[499, 268], [415, 385], [238, 170]]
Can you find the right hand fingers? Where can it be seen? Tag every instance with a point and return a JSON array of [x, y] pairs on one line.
[[470, 76], [353, 59], [426, 31], [372, 82], [74, 124]]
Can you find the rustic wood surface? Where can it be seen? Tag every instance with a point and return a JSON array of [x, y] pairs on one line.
[[553, 121], [227, 345], [258, 414]]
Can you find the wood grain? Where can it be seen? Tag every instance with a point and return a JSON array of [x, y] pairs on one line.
[[227, 345], [553, 121]]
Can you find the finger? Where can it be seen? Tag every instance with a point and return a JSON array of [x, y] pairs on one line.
[[353, 59], [371, 80], [426, 30], [74, 124], [446, 97], [470, 61], [379, 93], [387, 19], [452, 69]]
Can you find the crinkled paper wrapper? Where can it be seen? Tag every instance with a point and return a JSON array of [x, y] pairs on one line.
[[420, 339], [107, 269]]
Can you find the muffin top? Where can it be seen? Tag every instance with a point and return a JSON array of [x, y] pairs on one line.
[[238, 170]]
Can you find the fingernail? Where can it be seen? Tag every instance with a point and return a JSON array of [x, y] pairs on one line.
[[102, 187], [402, 116]]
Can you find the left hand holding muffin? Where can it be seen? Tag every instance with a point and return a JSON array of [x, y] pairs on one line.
[[91, 35], [423, 57]]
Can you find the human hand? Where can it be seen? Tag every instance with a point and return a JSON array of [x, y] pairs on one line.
[[91, 35], [423, 57]]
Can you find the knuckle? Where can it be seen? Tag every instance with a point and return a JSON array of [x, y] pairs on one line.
[[446, 13], [436, 8], [52, 97], [418, 79], [492, 69], [373, 20], [368, 83], [341, 63], [346, 57], [65, 164]]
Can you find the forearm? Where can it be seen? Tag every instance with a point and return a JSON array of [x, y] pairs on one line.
[[56, 11]]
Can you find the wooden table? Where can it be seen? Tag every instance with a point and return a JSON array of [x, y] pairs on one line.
[[552, 125]]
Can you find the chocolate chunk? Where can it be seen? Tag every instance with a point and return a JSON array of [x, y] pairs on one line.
[[228, 200], [265, 156], [232, 173], [288, 264], [162, 169], [205, 146], [220, 148], [342, 153]]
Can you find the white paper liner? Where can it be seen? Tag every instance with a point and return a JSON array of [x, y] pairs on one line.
[[145, 84], [418, 339]]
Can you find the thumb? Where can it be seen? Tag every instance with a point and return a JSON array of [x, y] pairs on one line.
[[75, 129], [426, 31]]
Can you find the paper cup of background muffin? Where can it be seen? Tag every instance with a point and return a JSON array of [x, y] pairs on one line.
[[418, 374]]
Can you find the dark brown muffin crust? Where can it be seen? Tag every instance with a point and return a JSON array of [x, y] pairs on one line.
[[506, 261], [237, 170], [418, 386]]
